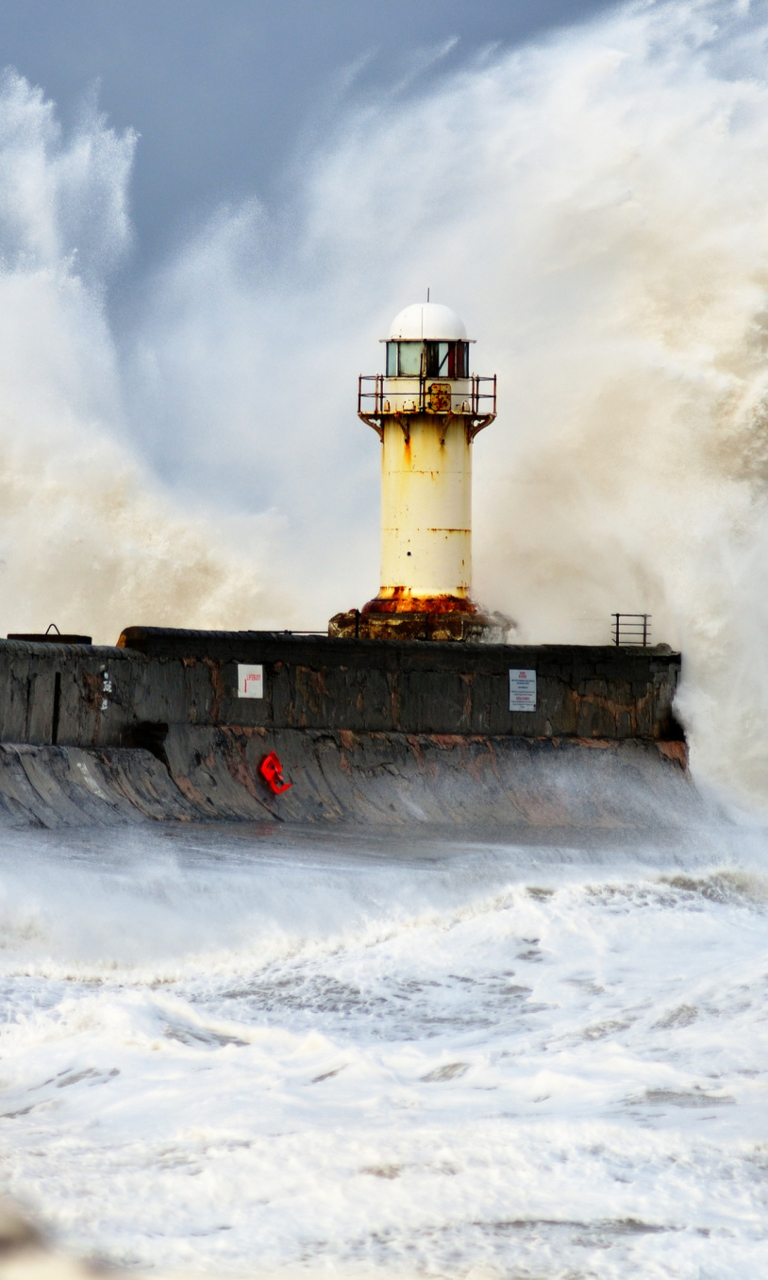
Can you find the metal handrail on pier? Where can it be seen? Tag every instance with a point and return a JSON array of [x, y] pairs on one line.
[[631, 628]]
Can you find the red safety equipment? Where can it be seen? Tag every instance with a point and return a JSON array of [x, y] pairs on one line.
[[271, 771]]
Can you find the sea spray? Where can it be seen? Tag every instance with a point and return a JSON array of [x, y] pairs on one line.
[[596, 207], [88, 538]]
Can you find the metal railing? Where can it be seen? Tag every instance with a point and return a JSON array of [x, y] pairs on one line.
[[631, 628], [481, 399]]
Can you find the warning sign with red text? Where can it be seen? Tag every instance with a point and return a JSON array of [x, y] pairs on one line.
[[522, 689]]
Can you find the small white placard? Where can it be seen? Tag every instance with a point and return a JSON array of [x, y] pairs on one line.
[[522, 689], [250, 681]]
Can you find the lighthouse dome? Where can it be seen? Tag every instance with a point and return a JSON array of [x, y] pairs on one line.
[[427, 321]]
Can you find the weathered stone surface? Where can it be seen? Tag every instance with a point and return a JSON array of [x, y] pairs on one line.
[[316, 682], [367, 731], [396, 778], [52, 787], [339, 775], [191, 678]]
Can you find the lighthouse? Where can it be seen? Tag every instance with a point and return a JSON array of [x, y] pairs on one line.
[[426, 408]]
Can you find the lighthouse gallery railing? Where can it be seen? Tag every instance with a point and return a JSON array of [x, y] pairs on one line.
[[371, 395]]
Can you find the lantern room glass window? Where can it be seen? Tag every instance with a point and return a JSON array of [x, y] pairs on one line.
[[409, 359], [428, 359]]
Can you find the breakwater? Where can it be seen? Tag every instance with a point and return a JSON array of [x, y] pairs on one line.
[[173, 724]]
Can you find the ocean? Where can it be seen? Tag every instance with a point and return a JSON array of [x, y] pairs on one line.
[[248, 1050]]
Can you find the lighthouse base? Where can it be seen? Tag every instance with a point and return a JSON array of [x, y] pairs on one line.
[[485, 628]]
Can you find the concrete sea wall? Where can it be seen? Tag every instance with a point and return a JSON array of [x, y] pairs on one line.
[[367, 731]]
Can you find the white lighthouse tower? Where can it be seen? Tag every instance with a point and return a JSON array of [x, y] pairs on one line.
[[426, 409]]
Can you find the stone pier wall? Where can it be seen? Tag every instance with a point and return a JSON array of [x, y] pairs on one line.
[[367, 730]]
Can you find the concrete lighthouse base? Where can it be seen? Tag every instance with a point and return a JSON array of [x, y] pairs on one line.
[[373, 624]]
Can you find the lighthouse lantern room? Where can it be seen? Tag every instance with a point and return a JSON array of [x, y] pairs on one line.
[[426, 409]]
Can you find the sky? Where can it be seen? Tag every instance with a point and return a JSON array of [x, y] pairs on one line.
[[225, 93]]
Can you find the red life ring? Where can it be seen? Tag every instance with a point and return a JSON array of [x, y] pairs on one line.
[[271, 771]]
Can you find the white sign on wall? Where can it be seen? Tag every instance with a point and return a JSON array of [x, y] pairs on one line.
[[522, 689], [250, 681]]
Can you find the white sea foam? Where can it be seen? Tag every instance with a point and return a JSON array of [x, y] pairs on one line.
[[257, 1052]]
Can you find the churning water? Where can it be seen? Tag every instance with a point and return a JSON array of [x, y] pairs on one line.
[[258, 1051]]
